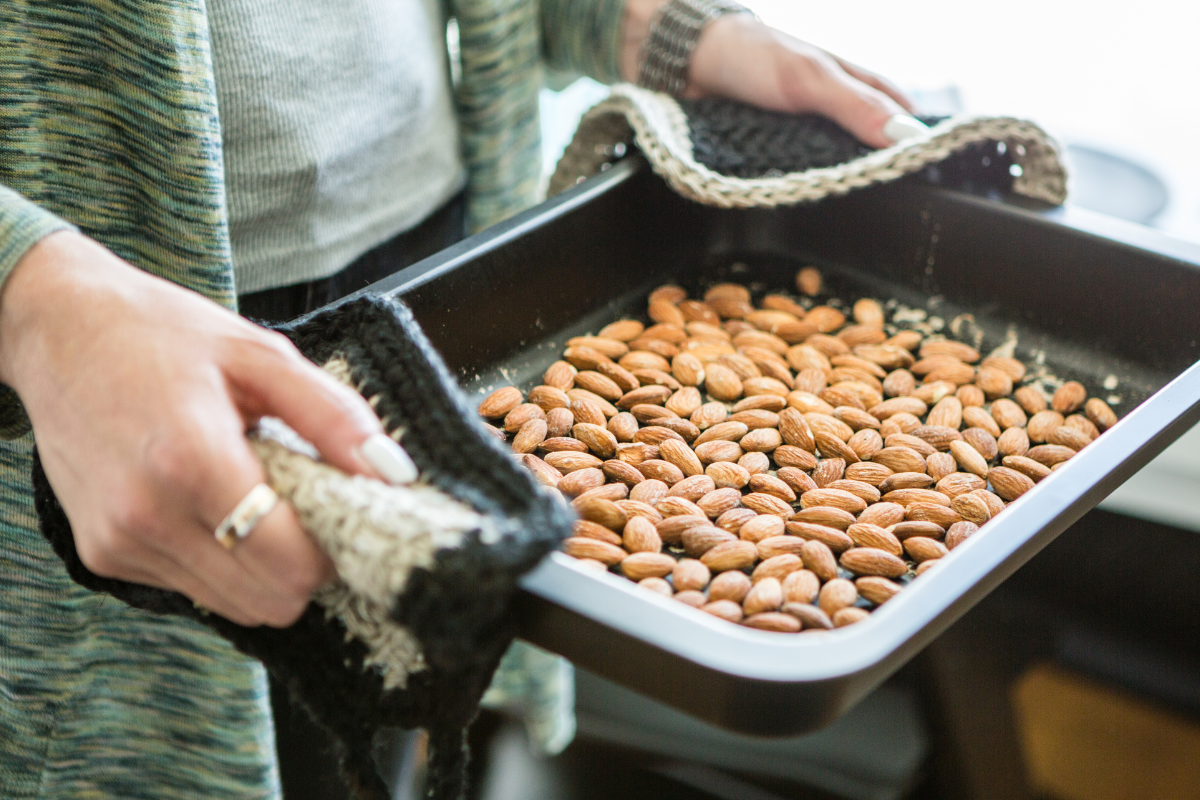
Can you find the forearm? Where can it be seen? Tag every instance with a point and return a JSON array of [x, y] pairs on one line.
[[636, 24]]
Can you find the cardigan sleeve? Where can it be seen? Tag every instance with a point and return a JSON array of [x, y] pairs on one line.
[[22, 225], [584, 36]]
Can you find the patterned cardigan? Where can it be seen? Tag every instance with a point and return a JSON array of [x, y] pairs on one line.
[[109, 124]]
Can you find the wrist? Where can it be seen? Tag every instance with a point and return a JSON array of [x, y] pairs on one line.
[[666, 55], [636, 26]]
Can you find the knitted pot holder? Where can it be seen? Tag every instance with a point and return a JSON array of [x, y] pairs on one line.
[[412, 630], [724, 153]]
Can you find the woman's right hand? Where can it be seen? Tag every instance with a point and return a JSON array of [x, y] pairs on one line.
[[140, 393]]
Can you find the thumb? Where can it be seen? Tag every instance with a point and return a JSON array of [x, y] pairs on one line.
[[872, 116], [276, 380]]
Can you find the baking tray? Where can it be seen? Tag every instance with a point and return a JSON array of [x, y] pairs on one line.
[[1095, 297]]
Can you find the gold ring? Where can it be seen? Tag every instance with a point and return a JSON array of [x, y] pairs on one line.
[[246, 515]]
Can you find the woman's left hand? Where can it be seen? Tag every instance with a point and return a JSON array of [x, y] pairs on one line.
[[740, 58]]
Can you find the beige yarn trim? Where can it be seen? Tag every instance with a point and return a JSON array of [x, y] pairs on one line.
[[374, 533], [658, 125]]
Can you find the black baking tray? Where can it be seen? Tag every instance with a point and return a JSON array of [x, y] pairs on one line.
[[1096, 298]]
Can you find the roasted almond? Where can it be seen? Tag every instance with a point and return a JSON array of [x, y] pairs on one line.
[[532, 434], [1042, 423], [983, 442], [958, 483], [970, 396], [1050, 454], [1008, 414], [939, 465], [1068, 437], [637, 566], [942, 516], [800, 586], [1099, 412], [1008, 483], [730, 555], [921, 549], [594, 530], [692, 488], [828, 516], [500, 402], [971, 507], [641, 536], [1070, 396], [867, 535], [718, 501], [760, 527], [873, 561], [836, 540], [819, 559], [718, 450], [905, 480], [661, 470], [882, 514], [1030, 399], [763, 440], [877, 590], [900, 459], [585, 547], [911, 527], [968, 458], [959, 533], [947, 413], [835, 595], [1013, 442]]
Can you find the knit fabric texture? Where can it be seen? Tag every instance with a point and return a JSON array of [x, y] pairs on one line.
[[727, 154], [413, 629]]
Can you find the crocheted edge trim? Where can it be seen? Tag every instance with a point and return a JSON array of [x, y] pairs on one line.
[[660, 130]]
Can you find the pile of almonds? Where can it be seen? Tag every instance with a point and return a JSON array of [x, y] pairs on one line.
[[782, 466]]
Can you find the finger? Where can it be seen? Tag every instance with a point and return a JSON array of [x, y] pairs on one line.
[[877, 82], [270, 378], [857, 107], [275, 569]]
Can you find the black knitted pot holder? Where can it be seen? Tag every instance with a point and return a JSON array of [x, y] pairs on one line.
[[458, 610]]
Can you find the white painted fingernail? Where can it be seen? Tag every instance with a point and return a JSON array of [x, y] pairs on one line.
[[902, 126], [388, 459]]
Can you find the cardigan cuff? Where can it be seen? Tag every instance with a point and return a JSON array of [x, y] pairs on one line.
[[22, 225]]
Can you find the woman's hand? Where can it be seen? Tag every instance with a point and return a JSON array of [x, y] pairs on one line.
[[140, 394], [740, 58]]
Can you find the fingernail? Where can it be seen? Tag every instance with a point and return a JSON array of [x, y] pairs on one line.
[[388, 459], [902, 126]]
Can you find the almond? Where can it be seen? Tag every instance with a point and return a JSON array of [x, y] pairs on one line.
[[971, 507], [584, 410], [829, 516], [594, 530], [601, 511], [657, 585], [760, 527], [690, 574], [765, 595], [684, 402], [756, 418], [835, 595], [958, 483], [1068, 437], [882, 514], [648, 491], [678, 507], [976, 417], [543, 473], [777, 567], [836, 540], [868, 493], [970, 396], [514, 419], [1008, 483], [698, 540], [1098, 412], [939, 465], [983, 442], [724, 609], [865, 443], [939, 436], [599, 440], [969, 458], [567, 462], [532, 434], [726, 474], [831, 446], [959, 533], [800, 586], [1030, 399], [559, 422], [877, 590], [722, 383], [809, 617], [905, 480], [718, 501], [818, 558], [664, 471], [628, 381], [649, 359], [888, 356], [773, 621], [636, 508], [867, 535], [898, 383], [733, 586], [1083, 425], [873, 561], [1013, 368], [900, 459], [1013, 442], [559, 375], [692, 488], [606, 408], [682, 456], [637, 566], [763, 440], [1050, 454], [922, 549], [912, 442], [869, 472], [1041, 423], [947, 413], [1070, 396], [906, 497], [1008, 414], [849, 616], [770, 484], [788, 456], [994, 382], [718, 450], [691, 598], [940, 515], [671, 529], [808, 281], [899, 405], [585, 547], [653, 395], [959, 350], [768, 504], [500, 402], [640, 536], [910, 528], [730, 555]]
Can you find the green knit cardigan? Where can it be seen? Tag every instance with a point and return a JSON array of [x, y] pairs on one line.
[[108, 122]]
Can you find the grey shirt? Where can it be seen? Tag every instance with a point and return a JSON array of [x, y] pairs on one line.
[[338, 129]]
